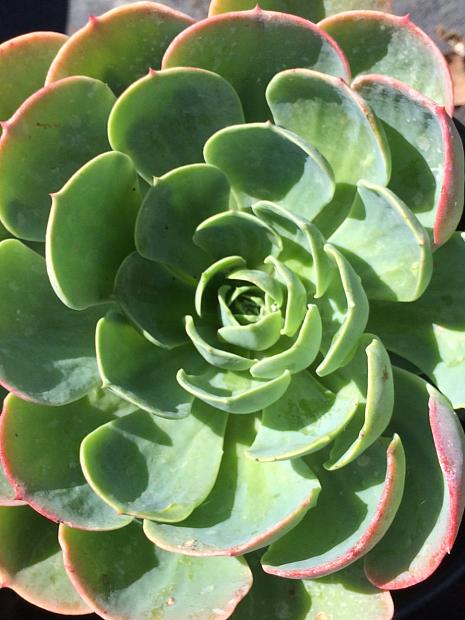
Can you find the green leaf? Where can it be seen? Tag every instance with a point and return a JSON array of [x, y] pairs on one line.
[[250, 505], [313, 11], [348, 594], [142, 288], [47, 351], [52, 482], [302, 244], [119, 46], [427, 153], [221, 358], [265, 162], [123, 575], [304, 420], [430, 332], [81, 261], [257, 336], [248, 48], [296, 296], [370, 374], [207, 291], [163, 120], [355, 508], [328, 114], [44, 144], [379, 220], [189, 195], [24, 62], [344, 312], [293, 355], [31, 562], [139, 371], [235, 232], [392, 46], [234, 392], [429, 515], [138, 464]]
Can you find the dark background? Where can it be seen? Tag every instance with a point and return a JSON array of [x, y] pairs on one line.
[[443, 596]]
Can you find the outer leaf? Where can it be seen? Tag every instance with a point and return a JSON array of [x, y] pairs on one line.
[[426, 525], [304, 420], [392, 46], [48, 144], [47, 351], [344, 311], [142, 288], [427, 152], [313, 11], [189, 195], [141, 372], [327, 113], [121, 45], [250, 504], [81, 261], [52, 482], [430, 332], [24, 62], [248, 48], [265, 162], [124, 576], [386, 244], [355, 508], [138, 465], [31, 562], [347, 594], [234, 392], [196, 103]]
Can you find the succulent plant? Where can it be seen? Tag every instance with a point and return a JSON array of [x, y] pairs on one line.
[[214, 233]]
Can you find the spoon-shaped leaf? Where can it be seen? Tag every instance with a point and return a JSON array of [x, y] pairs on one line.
[[147, 582], [257, 336]]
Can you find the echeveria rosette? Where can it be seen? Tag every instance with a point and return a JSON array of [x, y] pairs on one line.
[[241, 218]]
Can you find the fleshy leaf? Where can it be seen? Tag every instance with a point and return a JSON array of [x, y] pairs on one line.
[[427, 153], [304, 420], [54, 132], [197, 103], [348, 594], [313, 11], [429, 515], [142, 582], [31, 562], [141, 372], [328, 114], [257, 336], [235, 232], [250, 504], [52, 482], [219, 357], [24, 62], [142, 288], [392, 46], [234, 392], [344, 312], [47, 351], [81, 261], [211, 279], [293, 355], [248, 48], [121, 45], [355, 508], [430, 332], [265, 162], [189, 195], [138, 464], [387, 246], [303, 246], [370, 373], [296, 296]]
